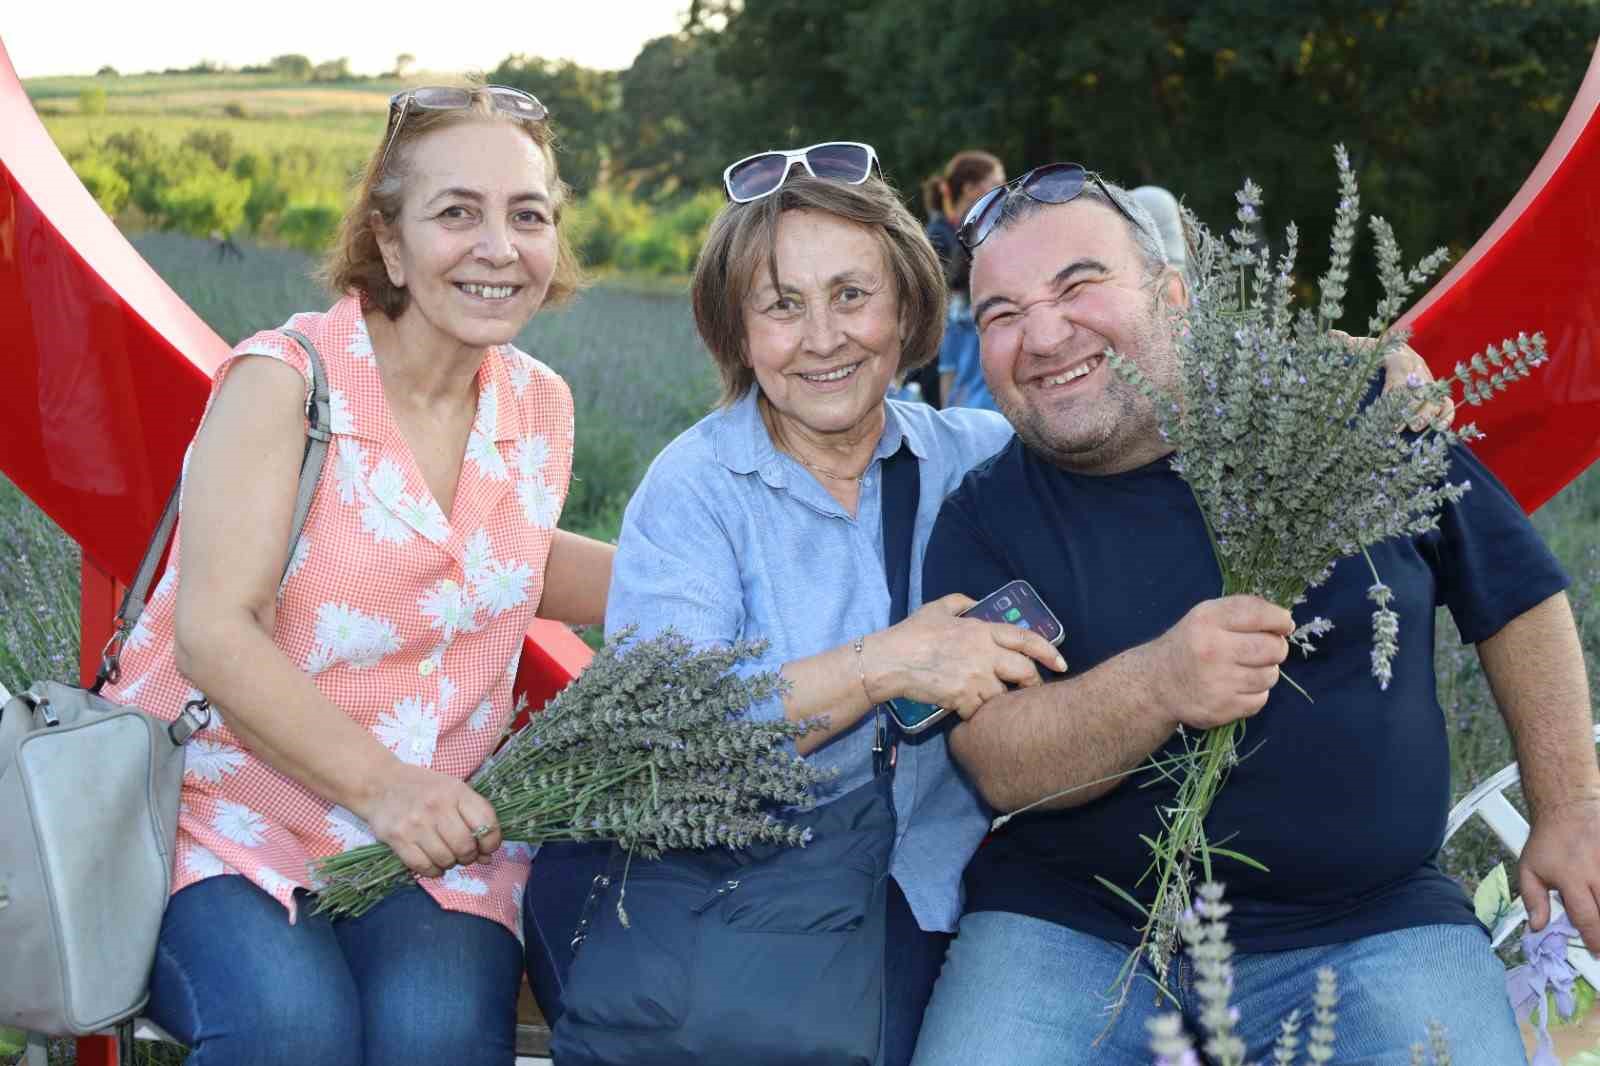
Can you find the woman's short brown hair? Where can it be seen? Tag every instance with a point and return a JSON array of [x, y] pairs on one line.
[[743, 239], [355, 264]]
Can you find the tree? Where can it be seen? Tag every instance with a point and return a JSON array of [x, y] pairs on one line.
[[293, 66], [581, 102], [1445, 106], [332, 70], [403, 64], [664, 136]]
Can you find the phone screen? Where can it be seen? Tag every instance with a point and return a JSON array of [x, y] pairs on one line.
[[1017, 603], [913, 716]]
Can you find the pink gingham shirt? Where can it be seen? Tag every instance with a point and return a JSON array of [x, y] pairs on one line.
[[408, 620]]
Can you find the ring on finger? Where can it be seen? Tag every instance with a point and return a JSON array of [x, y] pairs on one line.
[[481, 831]]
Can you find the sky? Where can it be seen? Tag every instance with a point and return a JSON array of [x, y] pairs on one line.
[[46, 37]]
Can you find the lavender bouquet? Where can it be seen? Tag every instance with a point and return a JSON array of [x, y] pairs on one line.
[[1291, 466], [650, 747]]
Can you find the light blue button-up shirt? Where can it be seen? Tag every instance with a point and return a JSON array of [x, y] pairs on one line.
[[729, 539]]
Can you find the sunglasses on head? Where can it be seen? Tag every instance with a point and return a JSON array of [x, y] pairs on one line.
[[762, 174], [457, 98], [1053, 183]]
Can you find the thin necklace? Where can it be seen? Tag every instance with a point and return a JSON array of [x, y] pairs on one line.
[[776, 436], [814, 468]]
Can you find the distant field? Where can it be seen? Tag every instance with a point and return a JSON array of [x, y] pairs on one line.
[[63, 92], [346, 134], [262, 113]]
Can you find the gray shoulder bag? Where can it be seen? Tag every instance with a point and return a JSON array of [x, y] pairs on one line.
[[88, 817]]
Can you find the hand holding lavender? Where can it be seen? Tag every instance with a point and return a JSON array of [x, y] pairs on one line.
[[1291, 466], [650, 747]]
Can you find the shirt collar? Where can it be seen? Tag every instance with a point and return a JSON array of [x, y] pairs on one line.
[[743, 445]]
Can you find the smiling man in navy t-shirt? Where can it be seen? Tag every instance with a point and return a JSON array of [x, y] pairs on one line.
[[1344, 800]]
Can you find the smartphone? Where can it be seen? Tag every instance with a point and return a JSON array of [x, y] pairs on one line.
[[1016, 603]]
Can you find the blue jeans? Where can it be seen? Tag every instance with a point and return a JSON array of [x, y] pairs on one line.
[[1018, 991], [559, 884], [406, 982]]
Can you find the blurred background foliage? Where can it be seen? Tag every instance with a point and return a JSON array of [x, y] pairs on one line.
[[1444, 104]]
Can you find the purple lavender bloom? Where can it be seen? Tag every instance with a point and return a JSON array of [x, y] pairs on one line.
[[1189, 1058], [1546, 971]]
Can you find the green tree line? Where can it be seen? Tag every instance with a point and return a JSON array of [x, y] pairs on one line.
[[1445, 106]]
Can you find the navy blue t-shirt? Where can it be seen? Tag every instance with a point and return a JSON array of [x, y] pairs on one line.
[[1344, 800]]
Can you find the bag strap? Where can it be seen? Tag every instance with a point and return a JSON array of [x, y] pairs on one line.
[[319, 417], [900, 494]]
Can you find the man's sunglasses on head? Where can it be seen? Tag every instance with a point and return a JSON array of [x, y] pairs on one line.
[[762, 174], [1053, 183]]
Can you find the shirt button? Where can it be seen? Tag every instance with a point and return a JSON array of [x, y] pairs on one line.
[[425, 667]]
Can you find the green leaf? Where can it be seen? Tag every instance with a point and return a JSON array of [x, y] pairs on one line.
[[1493, 896], [12, 1041], [1123, 895], [1229, 853], [1583, 998]]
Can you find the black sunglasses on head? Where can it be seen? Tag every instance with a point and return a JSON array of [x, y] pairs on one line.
[[1053, 183]]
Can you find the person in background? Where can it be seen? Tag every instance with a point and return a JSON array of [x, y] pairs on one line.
[[359, 676], [947, 197]]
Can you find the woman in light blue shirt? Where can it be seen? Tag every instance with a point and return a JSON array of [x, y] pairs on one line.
[[763, 521]]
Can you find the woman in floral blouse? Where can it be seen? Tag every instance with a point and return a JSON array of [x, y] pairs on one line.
[[352, 699]]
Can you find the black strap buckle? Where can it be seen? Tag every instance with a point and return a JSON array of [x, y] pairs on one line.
[[883, 748]]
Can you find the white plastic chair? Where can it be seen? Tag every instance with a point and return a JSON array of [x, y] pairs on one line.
[[1488, 801]]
